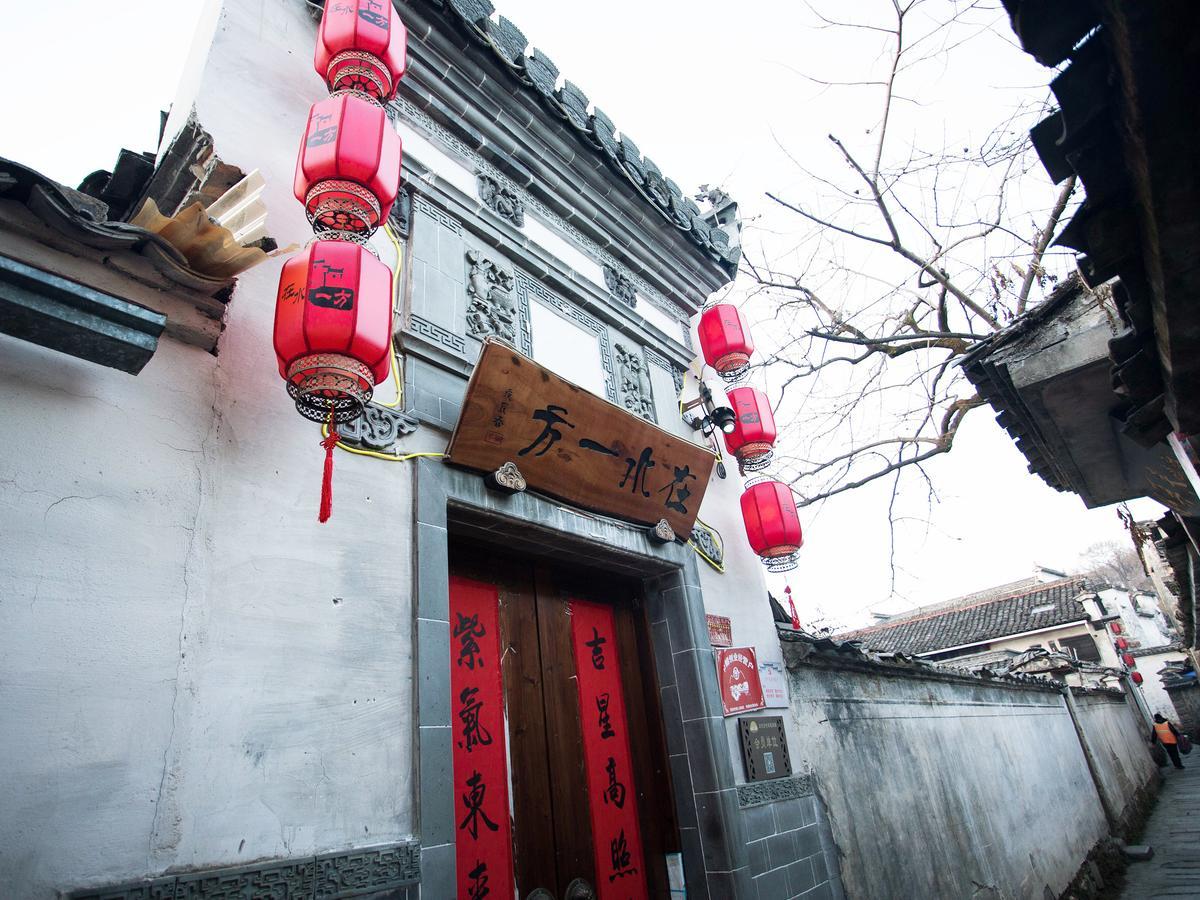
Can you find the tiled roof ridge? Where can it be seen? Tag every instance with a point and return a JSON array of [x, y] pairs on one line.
[[885, 626], [540, 75]]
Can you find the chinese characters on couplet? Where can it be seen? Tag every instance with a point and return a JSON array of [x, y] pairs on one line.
[[596, 644], [468, 630], [637, 469], [473, 801]]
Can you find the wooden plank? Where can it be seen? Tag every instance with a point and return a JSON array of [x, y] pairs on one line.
[[534, 847], [576, 446], [652, 772], [564, 736]]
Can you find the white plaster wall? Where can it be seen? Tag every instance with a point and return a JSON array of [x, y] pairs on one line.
[[566, 349], [193, 672], [1117, 733], [940, 789], [1156, 695]]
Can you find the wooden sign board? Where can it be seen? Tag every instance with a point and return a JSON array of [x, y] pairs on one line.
[[576, 446]]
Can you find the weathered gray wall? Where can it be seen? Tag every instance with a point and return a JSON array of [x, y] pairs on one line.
[[946, 787], [1116, 735]]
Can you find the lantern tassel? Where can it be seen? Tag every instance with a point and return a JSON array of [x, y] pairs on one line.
[[792, 605], [328, 442]]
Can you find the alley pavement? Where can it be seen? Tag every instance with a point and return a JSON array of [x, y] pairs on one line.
[[1174, 832]]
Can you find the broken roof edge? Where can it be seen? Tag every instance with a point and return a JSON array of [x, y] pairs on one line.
[[533, 69]]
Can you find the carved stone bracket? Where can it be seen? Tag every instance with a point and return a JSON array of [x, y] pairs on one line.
[[634, 382], [491, 309], [760, 792], [507, 479], [501, 200], [661, 532], [378, 428], [620, 286], [401, 215], [708, 541]]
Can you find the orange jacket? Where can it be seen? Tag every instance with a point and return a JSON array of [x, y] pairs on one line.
[[1165, 732]]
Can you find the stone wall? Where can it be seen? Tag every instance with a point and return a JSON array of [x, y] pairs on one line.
[[946, 786]]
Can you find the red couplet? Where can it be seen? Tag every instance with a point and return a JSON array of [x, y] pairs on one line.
[[334, 297], [725, 339], [612, 794], [348, 168], [361, 46], [483, 843]]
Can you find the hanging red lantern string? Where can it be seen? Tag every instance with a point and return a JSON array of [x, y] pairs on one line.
[[753, 436], [725, 341], [772, 524], [1137, 677], [361, 46], [1129, 660], [333, 312], [792, 608]]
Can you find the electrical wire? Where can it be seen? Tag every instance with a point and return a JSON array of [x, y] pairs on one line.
[[393, 368]]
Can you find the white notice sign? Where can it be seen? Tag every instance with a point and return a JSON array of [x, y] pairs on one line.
[[774, 683]]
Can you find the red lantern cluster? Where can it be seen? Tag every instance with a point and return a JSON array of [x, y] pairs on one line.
[[768, 507], [333, 312]]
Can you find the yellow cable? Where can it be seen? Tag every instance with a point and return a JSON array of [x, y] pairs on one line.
[[393, 368]]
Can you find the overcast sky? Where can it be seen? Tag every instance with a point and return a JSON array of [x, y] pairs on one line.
[[714, 93]]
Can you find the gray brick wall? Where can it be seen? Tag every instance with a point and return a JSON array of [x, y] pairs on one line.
[[792, 853]]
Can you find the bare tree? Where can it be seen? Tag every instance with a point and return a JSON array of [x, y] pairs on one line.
[[906, 257], [1115, 563]]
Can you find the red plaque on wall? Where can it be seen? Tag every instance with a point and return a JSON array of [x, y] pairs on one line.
[[720, 630], [737, 673]]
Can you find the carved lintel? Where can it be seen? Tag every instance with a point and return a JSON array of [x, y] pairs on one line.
[[378, 428], [505, 202], [661, 532], [507, 479]]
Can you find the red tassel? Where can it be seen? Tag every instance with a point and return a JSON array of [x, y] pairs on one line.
[[795, 618], [328, 442]]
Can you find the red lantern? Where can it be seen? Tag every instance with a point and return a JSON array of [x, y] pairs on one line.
[[772, 524], [1137, 677], [1128, 659], [361, 47], [754, 428], [1122, 644], [333, 320], [725, 341], [1116, 627], [348, 170]]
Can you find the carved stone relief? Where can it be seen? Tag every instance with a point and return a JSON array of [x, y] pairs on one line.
[[708, 542], [491, 309], [634, 382], [400, 217], [619, 285], [378, 428], [505, 203]]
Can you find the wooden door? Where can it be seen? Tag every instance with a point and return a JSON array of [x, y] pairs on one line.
[[552, 805]]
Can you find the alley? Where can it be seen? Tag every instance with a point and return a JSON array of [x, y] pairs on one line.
[[1174, 833]]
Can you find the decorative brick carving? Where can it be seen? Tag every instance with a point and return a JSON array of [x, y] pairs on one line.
[[400, 217], [423, 206], [327, 876], [619, 285], [708, 542], [378, 428], [501, 199], [438, 334], [761, 792], [634, 382], [491, 310]]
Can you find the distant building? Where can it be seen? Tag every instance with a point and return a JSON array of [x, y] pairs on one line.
[[1066, 616]]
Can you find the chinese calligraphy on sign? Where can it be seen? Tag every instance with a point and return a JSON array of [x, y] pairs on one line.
[[575, 445], [483, 842], [608, 760], [737, 674]]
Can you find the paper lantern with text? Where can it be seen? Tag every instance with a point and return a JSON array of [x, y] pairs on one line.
[[348, 169], [753, 437], [333, 319], [725, 341], [361, 46], [1137, 677], [772, 524]]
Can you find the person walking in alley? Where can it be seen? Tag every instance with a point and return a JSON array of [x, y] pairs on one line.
[[1167, 734]]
